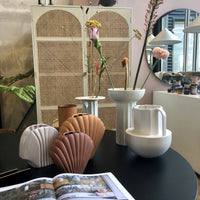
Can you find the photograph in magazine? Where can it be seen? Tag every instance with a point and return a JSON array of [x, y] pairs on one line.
[[68, 186], [41, 188], [86, 187]]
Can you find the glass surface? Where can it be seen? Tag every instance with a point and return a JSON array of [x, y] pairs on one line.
[[178, 48], [189, 60]]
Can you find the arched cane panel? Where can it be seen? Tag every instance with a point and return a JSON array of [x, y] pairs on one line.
[[59, 60], [112, 24], [58, 23]]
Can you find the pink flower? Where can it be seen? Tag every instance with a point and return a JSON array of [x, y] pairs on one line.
[[157, 52], [165, 54], [94, 33], [160, 53], [98, 68]]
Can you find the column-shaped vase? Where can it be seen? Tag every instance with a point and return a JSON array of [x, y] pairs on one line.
[[125, 102], [90, 104]]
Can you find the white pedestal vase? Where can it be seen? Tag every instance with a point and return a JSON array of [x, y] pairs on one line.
[[90, 104], [125, 101]]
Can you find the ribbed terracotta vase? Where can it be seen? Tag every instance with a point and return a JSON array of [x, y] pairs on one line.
[[71, 152], [66, 111], [85, 123]]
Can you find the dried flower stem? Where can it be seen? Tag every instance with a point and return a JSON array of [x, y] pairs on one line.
[[126, 75], [125, 64]]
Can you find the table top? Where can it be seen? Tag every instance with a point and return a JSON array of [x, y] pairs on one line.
[[166, 177]]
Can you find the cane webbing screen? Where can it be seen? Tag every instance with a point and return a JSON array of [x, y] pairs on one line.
[[58, 23], [61, 49], [113, 24], [60, 57]]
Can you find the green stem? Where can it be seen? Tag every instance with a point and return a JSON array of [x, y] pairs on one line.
[[143, 48], [13, 79], [99, 87], [149, 73], [103, 60], [109, 77], [100, 74]]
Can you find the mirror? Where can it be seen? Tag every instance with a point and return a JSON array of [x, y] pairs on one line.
[[184, 56]]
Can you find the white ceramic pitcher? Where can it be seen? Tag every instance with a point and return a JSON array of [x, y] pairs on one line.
[[149, 120]]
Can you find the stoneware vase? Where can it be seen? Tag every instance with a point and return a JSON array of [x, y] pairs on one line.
[[66, 111], [35, 143], [125, 102], [71, 152], [90, 104], [85, 123]]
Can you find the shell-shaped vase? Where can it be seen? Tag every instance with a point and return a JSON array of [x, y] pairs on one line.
[[35, 143], [85, 123], [71, 152]]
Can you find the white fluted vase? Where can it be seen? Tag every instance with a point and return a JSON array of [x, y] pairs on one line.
[[125, 102], [90, 104], [35, 143]]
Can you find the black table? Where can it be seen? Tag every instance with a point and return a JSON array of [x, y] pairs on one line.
[[168, 177]]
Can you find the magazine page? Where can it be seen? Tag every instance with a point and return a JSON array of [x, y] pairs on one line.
[[89, 186], [40, 188]]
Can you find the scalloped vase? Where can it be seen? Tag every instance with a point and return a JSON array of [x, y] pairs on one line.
[[35, 143], [85, 123], [71, 152]]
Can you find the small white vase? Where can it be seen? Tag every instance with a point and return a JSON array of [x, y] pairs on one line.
[[125, 102], [90, 104], [35, 143]]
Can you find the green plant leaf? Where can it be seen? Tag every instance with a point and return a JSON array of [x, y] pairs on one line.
[[26, 93]]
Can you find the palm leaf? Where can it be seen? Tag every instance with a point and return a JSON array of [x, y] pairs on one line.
[[26, 93]]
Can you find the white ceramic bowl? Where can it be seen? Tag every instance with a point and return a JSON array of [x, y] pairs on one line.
[[148, 146]]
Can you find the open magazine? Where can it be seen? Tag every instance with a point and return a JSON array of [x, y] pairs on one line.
[[69, 186]]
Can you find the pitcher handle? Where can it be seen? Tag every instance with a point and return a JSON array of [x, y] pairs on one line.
[[163, 120]]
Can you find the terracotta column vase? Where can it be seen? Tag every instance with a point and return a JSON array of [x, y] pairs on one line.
[[71, 152], [85, 123], [66, 111]]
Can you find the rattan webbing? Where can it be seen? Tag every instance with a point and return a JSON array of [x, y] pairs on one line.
[[112, 24], [58, 23]]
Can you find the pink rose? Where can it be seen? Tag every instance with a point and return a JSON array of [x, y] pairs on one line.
[[160, 53], [165, 54], [94, 33], [157, 53], [98, 68]]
